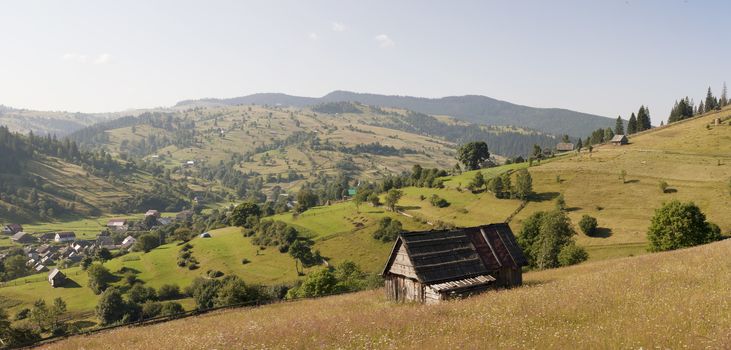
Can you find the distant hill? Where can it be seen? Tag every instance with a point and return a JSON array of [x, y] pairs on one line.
[[470, 108]]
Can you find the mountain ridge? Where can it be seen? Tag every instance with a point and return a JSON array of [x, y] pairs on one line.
[[471, 108]]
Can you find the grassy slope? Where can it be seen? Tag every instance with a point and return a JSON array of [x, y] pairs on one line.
[[666, 300]]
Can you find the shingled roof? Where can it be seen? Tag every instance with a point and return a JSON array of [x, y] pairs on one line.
[[448, 255]]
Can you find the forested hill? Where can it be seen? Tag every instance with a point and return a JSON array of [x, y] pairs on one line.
[[470, 108]]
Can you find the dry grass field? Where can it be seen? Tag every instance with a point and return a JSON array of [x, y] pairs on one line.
[[672, 300]]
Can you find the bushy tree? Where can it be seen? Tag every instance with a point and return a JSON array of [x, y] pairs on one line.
[[523, 184], [392, 198], [543, 236], [472, 154], [496, 186], [588, 225], [388, 229], [438, 202], [245, 214], [147, 242], [618, 126], [679, 225], [111, 307], [571, 254], [319, 283], [306, 199], [168, 292], [140, 294], [477, 182], [632, 125], [99, 278]]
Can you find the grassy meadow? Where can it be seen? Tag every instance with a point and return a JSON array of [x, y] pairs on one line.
[[676, 299]]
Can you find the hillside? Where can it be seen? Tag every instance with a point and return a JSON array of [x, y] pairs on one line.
[[470, 108], [46, 122], [666, 300]]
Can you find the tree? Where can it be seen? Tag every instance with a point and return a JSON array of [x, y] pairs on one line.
[[99, 278], [374, 199], [710, 102], [477, 183], [233, 291], [388, 229], [86, 262], [306, 199], [579, 145], [543, 236], [472, 154], [171, 308], [392, 198], [523, 184], [140, 294], [571, 254], [588, 225], [438, 202], [496, 186], [319, 283], [147, 242], [619, 126], [632, 125], [243, 212], [608, 134], [149, 221], [301, 252], [723, 101], [103, 255], [643, 119], [679, 225], [15, 267], [111, 307], [361, 196], [560, 202], [168, 292]]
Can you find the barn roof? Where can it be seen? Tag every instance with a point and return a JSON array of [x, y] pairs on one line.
[[459, 254], [565, 146], [618, 138]]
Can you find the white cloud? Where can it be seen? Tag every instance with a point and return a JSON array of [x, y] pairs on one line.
[[103, 58], [74, 57], [338, 27], [384, 41], [313, 36]]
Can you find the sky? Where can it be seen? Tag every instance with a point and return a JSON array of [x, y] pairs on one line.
[[601, 57]]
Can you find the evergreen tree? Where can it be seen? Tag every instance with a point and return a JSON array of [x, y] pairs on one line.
[[710, 100], [723, 100], [579, 146], [632, 125], [643, 119], [701, 108], [608, 134], [619, 126]]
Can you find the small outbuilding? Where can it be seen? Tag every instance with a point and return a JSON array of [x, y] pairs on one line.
[[11, 229], [62, 237], [431, 266], [565, 147], [56, 278], [152, 212], [128, 242], [205, 235], [619, 140], [22, 237]]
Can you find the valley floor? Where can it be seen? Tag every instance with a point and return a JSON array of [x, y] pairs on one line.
[[676, 299]]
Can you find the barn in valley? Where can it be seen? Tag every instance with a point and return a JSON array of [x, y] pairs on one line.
[[430, 266]]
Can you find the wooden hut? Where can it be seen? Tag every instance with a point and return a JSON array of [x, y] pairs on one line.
[[56, 278], [431, 266], [619, 140]]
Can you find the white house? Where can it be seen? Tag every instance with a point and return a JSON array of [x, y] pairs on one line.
[[62, 237], [128, 242]]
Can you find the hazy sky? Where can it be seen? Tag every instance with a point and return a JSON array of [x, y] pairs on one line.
[[603, 57]]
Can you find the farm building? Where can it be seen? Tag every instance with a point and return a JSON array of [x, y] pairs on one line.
[[431, 266], [619, 140], [152, 212], [205, 235], [64, 237], [128, 242], [11, 229], [56, 278], [117, 224], [565, 147], [22, 237]]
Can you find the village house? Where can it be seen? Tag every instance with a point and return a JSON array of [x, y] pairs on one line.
[[56, 278], [40, 268], [117, 224], [63, 237], [128, 242], [431, 266], [152, 212], [619, 140], [11, 229], [22, 237], [105, 241], [564, 147]]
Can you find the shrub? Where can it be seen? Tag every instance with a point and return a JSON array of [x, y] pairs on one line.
[[140, 294], [245, 261], [663, 186], [679, 225], [171, 308], [438, 201], [168, 292], [151, 309], [388, 229], [588, 225], [99, 278], [572, 254], [214, 273]]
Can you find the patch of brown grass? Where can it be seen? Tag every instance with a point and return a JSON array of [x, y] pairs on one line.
[[668, 300]]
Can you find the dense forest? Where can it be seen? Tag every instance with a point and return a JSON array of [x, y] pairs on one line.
[[501, 141]]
